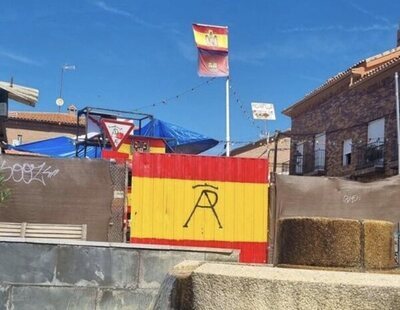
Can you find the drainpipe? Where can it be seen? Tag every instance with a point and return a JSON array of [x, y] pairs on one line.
[[396, 78], [277, 136]]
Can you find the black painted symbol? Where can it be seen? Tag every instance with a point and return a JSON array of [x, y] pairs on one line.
[[211, 196]]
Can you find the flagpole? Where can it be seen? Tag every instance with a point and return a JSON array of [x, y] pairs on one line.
[[228, 138]]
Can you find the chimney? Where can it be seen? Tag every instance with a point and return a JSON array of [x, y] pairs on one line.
[[72, 109]]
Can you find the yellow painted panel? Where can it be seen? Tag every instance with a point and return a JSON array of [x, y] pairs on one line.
[[125, 148], [198, 210], [157, 150]]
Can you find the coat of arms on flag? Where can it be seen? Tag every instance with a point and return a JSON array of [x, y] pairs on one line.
[[212, 44]]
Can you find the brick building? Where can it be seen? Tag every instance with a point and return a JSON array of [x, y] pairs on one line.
[[347, 126], [23, 127]]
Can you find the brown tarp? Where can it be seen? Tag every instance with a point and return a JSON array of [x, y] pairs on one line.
[[339, 198], [62, 191], [299, 196]]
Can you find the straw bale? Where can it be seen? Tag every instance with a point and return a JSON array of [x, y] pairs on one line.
[[378, 244], [319, 242]]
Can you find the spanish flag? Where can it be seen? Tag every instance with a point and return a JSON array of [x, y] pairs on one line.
[[212, 44], [211, 38], [202, 201]]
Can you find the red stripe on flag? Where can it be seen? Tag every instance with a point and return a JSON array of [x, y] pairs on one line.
[[250, 252], [190, 167], [216, 29]]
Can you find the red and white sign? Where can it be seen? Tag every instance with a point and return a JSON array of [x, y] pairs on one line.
[[116, 131]]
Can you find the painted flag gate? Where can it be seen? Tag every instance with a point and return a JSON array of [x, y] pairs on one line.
[[203, 201]]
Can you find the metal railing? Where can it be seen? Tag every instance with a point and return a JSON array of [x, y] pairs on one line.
[[370, 155], [297, 164], [285, 167], [395, 151], [309, 165], [304, 164], [397, 244]]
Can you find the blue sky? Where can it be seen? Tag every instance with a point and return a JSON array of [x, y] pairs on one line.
[[133, 54]]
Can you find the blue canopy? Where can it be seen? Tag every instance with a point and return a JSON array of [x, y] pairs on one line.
[[63, 147], [178, 139]]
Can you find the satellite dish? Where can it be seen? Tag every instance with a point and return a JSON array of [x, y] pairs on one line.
[[59, 102]]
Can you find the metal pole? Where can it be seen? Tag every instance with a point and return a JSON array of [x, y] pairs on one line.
[[396, 78], [398, 243], [61, 82], [276, 150], [61, 86], [228, 138]]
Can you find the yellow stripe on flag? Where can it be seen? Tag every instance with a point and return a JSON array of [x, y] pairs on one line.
[[211, 40]]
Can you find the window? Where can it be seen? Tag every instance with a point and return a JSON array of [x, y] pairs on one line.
[[319, 152], [376, 132], [299, 158], [347, 152]]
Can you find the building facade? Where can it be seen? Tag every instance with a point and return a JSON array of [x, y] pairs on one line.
[[347, 127], [266, 150], [23, 127]]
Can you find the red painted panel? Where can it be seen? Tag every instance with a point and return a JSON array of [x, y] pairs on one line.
[[119, 157], [194, 167], [250, 252]]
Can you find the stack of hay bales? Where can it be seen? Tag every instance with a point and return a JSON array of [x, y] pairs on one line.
[[327, 242]]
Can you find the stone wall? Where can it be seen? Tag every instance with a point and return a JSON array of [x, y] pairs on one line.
[[88, 275], [228, 286]]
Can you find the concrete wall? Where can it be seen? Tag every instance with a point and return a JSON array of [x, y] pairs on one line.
[[60, 274], [228, 286]]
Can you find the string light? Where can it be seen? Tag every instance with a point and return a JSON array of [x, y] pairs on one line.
[[245, 113], [176, 97]]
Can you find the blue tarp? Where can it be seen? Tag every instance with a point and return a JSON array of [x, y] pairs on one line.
[[178, 139], [63, 147]]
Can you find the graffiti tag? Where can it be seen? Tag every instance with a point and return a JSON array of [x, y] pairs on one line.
[[211, 196], [350, 199], [27, 172]]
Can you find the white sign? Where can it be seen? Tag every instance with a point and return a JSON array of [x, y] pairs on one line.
[[117, 131], [264, 111]]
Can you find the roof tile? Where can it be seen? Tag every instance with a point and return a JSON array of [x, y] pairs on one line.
[[44, 117]]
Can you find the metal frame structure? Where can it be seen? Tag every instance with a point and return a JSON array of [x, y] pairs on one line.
[[101, 140]]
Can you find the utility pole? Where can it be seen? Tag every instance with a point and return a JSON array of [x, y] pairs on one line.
[[396, 79], [60, 100]]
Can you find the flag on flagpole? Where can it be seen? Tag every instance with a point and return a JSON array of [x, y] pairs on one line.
[[213, 63], [212, 38], [212, 44]]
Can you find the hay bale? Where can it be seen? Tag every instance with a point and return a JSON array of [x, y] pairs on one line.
[[378, 244], [319, 242]]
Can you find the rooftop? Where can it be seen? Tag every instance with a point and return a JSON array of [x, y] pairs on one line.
[[357, 73], [67, 119]]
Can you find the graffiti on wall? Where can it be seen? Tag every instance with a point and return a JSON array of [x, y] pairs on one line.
[[208, 194], [27, 172]]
